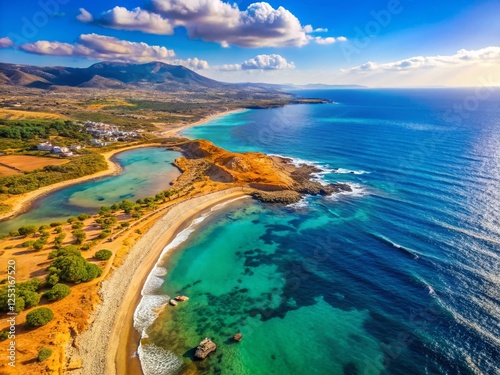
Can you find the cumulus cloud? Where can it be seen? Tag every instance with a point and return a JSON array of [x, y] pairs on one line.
[[463, 57], [99, 47], [6, 42], [194, 63], [121, 18], [260, 62], [94, 46], [259, 25]]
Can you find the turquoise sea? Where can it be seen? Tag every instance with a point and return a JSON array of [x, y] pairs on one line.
[[399, 277], [145, 172]]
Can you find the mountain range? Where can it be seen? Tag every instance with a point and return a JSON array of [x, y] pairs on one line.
[[109, 75]]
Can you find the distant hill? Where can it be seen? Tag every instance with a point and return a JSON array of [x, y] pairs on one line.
[[107, 75]]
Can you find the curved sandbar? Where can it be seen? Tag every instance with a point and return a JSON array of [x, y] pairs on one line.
[[22, 203], [103, 347]]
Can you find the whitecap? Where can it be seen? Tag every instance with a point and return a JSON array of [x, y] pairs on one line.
[[357, 191], [156, 360], [303, 203], [348, 171]]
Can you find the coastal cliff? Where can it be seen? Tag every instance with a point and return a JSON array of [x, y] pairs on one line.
[[270, 179]]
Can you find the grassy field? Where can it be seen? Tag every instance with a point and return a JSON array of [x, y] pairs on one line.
[[14, 114], [29, 163]]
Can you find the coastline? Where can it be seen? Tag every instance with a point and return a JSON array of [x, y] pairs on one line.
[[21, 204], [105, 346], [203, 121]]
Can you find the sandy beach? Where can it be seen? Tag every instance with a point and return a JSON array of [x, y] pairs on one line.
[[105, 346], [201, 122]]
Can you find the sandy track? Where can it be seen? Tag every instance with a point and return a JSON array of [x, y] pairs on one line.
[[101, 347]]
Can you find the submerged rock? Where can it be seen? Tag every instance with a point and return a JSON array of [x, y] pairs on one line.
[[237, 337], [173, 302], [206, 347], [181, 298]]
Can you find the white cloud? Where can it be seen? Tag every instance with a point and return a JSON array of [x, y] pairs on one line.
[[99, 47], [309, 29], [84, 16], [121, 18], [259, 25], [6, 42], [194, 63], [260, 62], [329, 40], [463, 57]]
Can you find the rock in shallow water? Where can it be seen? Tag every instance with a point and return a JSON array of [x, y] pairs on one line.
[[206, 347], [237, 337]]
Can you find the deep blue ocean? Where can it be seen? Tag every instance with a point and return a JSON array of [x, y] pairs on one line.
[[399, 277]]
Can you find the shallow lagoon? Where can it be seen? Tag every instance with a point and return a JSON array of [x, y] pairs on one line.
[[146, 171]]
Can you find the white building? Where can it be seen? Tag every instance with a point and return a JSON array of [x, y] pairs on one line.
[[45, 146], [60, 150]]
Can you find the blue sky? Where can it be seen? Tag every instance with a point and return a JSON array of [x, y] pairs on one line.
[[376, 43]]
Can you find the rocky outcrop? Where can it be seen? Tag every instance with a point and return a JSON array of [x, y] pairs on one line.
[[206, 347], [283, 196], [238, 337], [173, 302], [181, 298]]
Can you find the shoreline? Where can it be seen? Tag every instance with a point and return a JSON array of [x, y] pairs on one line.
[[203, 121], [105, 346], [21, 204]]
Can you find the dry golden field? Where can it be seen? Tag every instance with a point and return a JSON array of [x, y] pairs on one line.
[[14, 114], [25, 163]]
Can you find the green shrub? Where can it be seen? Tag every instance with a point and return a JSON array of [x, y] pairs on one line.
[[71, 220], [68, 250], [58, 229], [38, 245], [125, 224], [77, 225], [89, 245], [26, 295], [103, 254], [4, 335], [80, 236], [43, 227], [72, 267], [55, 224], [58, 291], [27, 243], [52, 279], [44, 354], [27, 230], [105, 233], [39, 317], [58, 240], [83, 217]]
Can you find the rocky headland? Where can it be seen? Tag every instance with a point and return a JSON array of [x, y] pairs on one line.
[[270, 179]]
